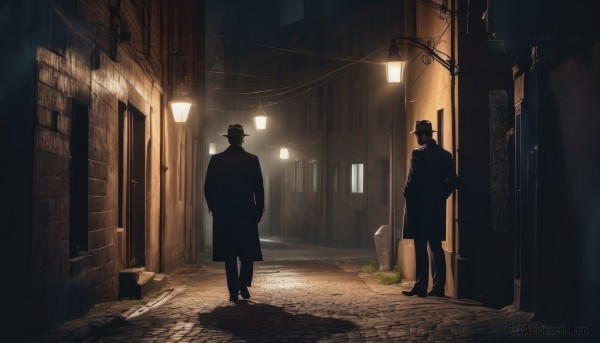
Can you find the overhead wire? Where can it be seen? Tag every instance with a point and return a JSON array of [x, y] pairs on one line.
[[291, 50], [224, 72], [321, 78]]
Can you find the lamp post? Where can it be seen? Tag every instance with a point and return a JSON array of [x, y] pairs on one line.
[[395, 74]]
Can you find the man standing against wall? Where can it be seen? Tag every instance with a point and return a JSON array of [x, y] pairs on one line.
[[235, 196], [431, 180]]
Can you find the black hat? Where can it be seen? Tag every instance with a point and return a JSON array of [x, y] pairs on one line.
[[235, 130], [423, 126]]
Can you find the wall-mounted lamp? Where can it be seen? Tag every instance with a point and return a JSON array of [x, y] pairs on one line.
[[394, 64], [260, 119], [284, 153], [181, 109]]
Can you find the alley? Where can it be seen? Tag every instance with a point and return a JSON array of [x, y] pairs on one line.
[[307, 294]]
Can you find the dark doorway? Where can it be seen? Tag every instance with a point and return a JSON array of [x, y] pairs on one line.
[[78, 173], [136, 209]]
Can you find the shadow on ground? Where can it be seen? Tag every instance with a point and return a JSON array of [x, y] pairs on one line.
[[254, 322]]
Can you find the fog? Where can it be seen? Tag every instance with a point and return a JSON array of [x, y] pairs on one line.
[[316, 72]]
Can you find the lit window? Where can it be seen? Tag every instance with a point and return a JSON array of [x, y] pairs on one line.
[[357, 178]]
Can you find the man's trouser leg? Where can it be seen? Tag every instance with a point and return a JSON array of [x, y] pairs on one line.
[[231, 270], [422, 262], [438, 265], [246, 271]]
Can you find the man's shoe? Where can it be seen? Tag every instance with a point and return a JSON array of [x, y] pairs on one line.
[[436, 293], [421, 294], [233, 297], [244, 292]]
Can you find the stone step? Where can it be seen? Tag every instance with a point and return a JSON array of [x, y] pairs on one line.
[[131, 275], [136, 283]]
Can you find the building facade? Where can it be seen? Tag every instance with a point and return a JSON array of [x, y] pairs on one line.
[[555, 79], [329, 108], [520, 223], [105, 179]]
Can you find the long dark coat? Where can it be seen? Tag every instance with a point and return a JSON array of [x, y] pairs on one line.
[[431, 180], [235, 196]]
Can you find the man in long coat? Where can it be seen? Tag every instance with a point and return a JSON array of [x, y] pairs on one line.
[[431, 180], [235, 196]]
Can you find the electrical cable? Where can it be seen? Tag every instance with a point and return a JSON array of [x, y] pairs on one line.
[[323, 77], [292, 50]]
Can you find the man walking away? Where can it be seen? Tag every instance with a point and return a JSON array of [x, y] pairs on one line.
[[235, 196], [430, 181]]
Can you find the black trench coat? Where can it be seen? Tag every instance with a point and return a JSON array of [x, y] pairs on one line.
[[235, 196], [430, 181]]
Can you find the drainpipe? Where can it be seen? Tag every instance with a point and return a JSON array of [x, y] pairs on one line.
[[326, 240], [454, 145], [163, 170]]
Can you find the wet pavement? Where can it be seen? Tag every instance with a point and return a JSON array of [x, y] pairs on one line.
[[308, 294]]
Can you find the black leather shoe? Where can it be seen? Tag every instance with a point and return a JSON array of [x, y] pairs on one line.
[[244, 292], [436, 293], [233, 297], [421, 294]]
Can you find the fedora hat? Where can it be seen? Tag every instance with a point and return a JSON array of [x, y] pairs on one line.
[[235, 130], [423, 126]]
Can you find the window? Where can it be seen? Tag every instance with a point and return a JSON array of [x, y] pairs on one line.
[[57, 34], [357, 178], [314, 176], [299, 174], [78, 178]]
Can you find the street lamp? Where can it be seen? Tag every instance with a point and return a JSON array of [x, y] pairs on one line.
[[180, 108], [394, 64], [394, 60], [284, 153], [260, 119]]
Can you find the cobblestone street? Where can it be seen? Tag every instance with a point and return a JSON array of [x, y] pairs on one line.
[[299, 294], [307, 294]]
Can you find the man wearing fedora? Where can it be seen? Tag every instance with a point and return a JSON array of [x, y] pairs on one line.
[[430, 181], [235, 196]]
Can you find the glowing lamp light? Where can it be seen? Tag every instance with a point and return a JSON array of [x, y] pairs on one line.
[[181, 109], [212, 148], [284, 153], [260, 122], [394, 64], [394, 71], [260, 118]]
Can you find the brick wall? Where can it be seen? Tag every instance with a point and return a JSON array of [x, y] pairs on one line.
[[73, 73], [64, 77]]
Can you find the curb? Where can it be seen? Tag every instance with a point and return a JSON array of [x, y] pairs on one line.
[[97, 326]]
